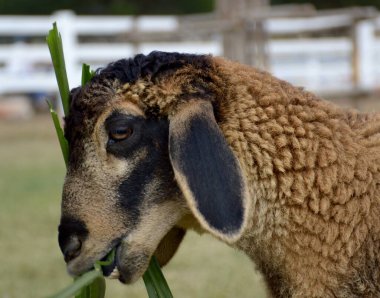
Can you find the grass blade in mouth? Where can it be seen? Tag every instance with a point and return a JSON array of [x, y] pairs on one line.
[[149, 285], [81, 282], [154, 279]]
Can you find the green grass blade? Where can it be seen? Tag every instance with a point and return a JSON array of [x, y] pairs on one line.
[[78, 284], [87, 74], [109, 260], [149, 285], [161, 278], [54, 42], [154, 276], [61, 138], [97, 288]]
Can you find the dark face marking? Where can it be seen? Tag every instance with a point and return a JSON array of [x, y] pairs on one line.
[[150, 135]]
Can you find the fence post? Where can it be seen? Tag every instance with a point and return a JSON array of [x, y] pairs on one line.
[[234, 40], [246, 41], [257, 41], [363, 54]]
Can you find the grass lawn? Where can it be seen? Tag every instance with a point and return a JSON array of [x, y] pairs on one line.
[[31, 175]]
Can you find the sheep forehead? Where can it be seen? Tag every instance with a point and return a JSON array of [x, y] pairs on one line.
[[86, 106], [148, 93], [90, 102]]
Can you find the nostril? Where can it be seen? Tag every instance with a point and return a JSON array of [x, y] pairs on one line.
[[72, 248], [72, 233]]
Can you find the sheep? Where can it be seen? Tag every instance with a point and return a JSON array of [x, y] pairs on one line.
[[166, 142]]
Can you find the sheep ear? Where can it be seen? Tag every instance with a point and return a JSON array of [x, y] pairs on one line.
[[207, 171]]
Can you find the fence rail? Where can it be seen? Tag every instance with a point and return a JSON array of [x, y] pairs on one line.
[[322, 64]]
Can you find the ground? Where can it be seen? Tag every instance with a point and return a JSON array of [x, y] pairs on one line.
[[31, 176]]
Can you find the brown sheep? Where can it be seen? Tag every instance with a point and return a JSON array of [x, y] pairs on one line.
[[167, 142]]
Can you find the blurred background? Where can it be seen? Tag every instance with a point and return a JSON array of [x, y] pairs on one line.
[[331, 47]]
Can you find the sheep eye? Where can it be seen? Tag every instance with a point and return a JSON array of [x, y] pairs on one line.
[[120, 133]]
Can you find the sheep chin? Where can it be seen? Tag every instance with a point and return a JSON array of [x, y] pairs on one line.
[[131, 264]]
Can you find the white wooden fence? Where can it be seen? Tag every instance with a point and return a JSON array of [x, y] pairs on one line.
[[320, 64]]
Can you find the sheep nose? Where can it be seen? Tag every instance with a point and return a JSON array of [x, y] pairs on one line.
[[71, 249], [72, 234]]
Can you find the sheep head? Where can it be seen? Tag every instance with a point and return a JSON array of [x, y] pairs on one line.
[[146, 152]]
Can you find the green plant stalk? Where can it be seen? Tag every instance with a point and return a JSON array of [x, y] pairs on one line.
[[54, 42], [79, 283], [149, 285], [61, 138], [87, 74], [155, 281], [92, 284]]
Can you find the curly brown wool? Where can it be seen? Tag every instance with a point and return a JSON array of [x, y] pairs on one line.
[[313, 175]]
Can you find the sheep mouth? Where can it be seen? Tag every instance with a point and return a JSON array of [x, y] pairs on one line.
[[126, 265], [110, 270]]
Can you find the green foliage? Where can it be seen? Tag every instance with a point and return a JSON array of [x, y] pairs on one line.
[[54, 42], [87, 74], [61, 138], [82, 288], [155, 282]]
